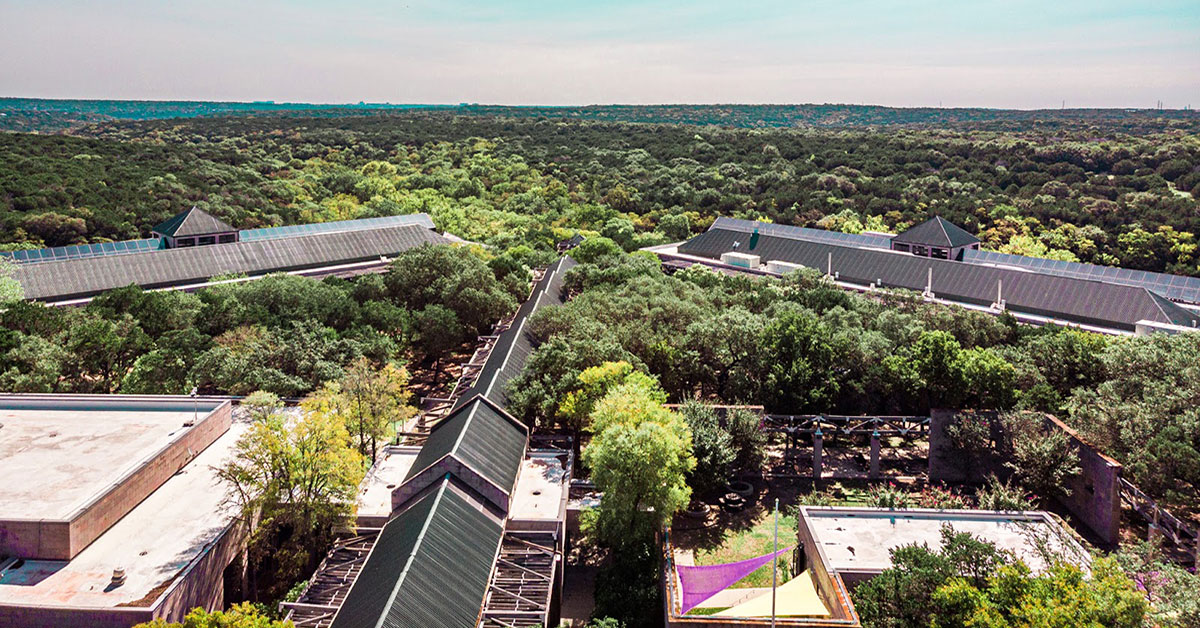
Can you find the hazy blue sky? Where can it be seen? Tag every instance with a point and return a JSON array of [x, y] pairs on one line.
[[1011, 53]]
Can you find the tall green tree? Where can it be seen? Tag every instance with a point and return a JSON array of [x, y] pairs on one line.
[[294, 477], [640, 457]]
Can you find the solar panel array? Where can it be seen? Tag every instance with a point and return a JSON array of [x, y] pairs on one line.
[[860, 240], [82, 251], [1174, 287], [361, 224]]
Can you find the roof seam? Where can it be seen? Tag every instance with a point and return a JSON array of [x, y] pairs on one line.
[[416, 550]]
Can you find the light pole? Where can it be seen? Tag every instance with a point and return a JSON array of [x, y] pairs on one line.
[[774, 562]]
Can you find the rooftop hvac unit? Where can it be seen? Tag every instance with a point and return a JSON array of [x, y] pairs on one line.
[[741, 260], [776, 266]]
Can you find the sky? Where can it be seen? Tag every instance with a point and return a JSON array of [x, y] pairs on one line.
[[956, 53]]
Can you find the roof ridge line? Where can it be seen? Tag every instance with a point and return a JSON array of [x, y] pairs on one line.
[[416, 549]]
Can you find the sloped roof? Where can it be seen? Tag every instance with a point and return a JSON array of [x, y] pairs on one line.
[[192, 222], [513, 347], [937, 231], [79, 278], [483, 437], [429, 567], [1106, 305]]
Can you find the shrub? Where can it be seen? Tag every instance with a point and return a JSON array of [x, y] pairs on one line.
[[1001, 496], [940, 498], [888, 496]]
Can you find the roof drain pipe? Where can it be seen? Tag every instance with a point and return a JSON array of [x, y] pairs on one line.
[[999, 304], [928, 294]]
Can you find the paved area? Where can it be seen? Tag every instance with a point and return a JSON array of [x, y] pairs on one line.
[[541, 488], [153, 543], [579, 583], [54, 462], [375, 491]]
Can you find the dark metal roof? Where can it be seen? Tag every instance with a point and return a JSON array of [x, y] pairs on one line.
[[1080, 301], [358, 224], [937, 231], [507, 358], [867, 240], [481, 436], [79, 278], [1174, 287], [192, 222], [430, 566]]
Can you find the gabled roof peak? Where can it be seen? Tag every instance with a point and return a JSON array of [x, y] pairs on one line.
[[937, 231], [192, 222]]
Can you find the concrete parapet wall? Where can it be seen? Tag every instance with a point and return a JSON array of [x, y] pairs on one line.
[[50, 539], [102, 513]]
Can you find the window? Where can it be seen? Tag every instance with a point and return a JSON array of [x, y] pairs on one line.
[[206, 240], [225, 238], [185, 242]]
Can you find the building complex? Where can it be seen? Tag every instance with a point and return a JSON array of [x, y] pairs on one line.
[[943, 263]]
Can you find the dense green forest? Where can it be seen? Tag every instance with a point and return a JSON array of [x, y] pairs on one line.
[[1094, 193]]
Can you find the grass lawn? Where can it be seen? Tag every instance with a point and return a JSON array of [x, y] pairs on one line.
[[752, 542]]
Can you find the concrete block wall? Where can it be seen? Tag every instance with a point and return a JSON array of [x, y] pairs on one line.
[[201, 583], [1095, 493], [35, 539], [47, 617]]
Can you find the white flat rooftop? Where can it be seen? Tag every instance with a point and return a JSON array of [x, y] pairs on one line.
[[389, 470], [153, 543], [861, 539], [541, 487], [56, 461]]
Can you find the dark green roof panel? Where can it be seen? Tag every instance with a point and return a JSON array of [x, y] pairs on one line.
[[482, 437], [430, 566]]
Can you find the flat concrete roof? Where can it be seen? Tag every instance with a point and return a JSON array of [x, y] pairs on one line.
[[861, 539], [58, 460], [542, 487], [153, 543], [390, 468]]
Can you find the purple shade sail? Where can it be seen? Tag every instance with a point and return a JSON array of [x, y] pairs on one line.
[[700, 583]]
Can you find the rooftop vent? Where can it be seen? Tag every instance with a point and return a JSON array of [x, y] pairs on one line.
[[118, 577]]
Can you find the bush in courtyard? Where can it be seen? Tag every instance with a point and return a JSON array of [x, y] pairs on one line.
[[888, 496], [940, 498], [1042, 459], [712, 447], [996, 495]]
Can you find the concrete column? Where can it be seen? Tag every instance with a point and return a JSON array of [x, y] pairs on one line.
[[818, 441], [875, 454]]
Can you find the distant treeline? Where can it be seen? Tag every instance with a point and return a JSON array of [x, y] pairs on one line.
[[44, 115]]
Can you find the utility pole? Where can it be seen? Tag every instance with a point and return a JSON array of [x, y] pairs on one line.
[[775, 563]]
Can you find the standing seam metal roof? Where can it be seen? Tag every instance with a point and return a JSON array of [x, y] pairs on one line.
[[513, 347], [192, 222], [429, 567], [483, 437], [1086, 302], [78, 278], [937, 231]]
